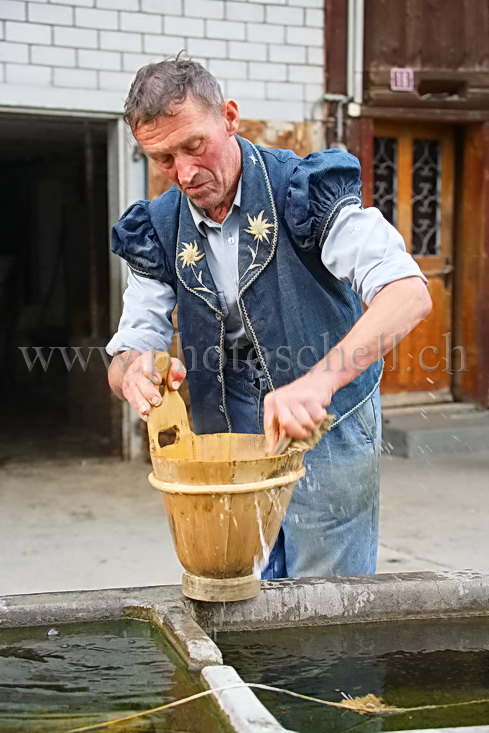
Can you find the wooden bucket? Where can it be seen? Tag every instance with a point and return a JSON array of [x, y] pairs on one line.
[[224, 498]]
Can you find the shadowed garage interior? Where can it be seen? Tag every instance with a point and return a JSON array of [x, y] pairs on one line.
[[54, 289]]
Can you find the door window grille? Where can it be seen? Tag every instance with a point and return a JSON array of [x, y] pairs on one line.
[[426, 198], [385, 177], [425, 175]]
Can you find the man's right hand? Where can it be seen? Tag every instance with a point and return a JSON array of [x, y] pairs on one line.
[[134, 377]]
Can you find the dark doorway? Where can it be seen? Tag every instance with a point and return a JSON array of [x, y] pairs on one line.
[[54, 289]]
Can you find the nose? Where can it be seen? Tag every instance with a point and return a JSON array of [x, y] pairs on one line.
[[186, 169]]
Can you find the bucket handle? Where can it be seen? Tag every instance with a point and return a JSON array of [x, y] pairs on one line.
[[172, 413]]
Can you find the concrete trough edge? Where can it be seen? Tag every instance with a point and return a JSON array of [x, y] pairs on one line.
[[316, 601], [308, 601], [39, 609], [193, 645], [240, 706]]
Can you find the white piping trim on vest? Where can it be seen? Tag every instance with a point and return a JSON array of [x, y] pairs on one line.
[[141, 272], [257, 346], [272, 252], [275, 224], [362, 402], [339, 203], [221, 374]]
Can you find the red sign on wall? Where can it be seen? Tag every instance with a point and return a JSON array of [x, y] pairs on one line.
[[402, 80]]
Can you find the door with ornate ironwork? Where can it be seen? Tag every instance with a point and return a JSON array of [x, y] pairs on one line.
[[414, 189]]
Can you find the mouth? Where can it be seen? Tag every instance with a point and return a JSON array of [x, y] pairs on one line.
[[195, 189]]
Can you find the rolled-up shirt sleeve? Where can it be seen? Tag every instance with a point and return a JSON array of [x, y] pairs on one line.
[[146, 317], [366, 251]]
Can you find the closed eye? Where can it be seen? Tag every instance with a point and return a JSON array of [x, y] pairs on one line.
[[166, 161], [194, 146]]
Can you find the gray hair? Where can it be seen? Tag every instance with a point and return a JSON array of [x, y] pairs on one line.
[[158, 87]]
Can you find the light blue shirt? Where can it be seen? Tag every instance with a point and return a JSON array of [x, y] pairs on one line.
[[221, 250], [362, 249]]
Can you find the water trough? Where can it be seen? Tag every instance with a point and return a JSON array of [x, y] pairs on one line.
[[189, 625]]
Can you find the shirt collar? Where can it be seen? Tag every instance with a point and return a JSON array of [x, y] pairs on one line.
[[200, 217]]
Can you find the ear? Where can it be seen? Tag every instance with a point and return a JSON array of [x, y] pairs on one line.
[[230, 112]]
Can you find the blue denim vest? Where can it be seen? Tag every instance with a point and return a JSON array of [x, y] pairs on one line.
[[294, 309]]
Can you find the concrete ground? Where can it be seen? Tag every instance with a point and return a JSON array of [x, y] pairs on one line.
[[97, 523]]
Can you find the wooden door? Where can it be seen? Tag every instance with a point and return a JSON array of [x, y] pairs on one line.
[[413, 187]]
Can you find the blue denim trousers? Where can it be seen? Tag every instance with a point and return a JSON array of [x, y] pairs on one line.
[[331, 526]]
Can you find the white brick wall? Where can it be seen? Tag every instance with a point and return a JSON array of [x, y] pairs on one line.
[[13, 10], [266, 53]]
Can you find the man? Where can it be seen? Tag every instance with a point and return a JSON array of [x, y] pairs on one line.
[[267, 256]]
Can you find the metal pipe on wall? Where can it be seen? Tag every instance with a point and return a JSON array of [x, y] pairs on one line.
[[340, 100], [354, 75]]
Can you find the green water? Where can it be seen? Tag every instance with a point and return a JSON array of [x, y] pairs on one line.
[[407, 664], [93, 672]]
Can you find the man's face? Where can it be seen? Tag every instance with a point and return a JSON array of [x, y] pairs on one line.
[[196, 149]]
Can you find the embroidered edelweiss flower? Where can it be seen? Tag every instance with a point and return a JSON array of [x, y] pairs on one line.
[[259, 227], [190, 253]]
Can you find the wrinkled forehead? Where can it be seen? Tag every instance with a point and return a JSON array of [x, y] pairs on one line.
[[185, 122], [191, 104]]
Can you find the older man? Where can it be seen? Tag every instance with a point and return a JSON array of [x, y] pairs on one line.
[[268, 256]]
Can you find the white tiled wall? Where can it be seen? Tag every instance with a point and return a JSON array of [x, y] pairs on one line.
[[82, 54]]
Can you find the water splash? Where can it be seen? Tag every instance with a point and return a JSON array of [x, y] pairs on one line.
[[226, 499], [260, 564]]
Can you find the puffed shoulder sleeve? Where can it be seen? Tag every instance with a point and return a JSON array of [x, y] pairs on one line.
[[320, 186], [135, 240]]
